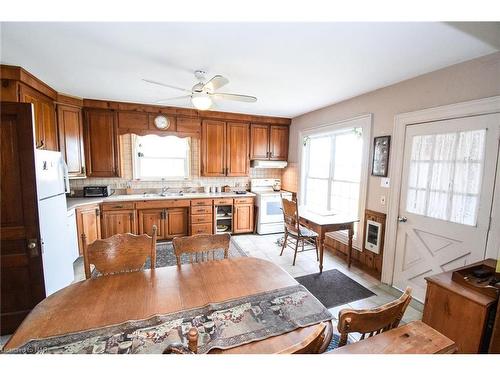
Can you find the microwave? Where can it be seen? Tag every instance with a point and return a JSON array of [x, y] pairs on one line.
[[97, 191]]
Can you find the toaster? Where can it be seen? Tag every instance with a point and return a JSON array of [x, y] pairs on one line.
[[97, 191]]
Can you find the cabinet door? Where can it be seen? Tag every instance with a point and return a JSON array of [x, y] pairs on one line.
[[148, 218], [69, 121], [101, 149], [243, 221], [213, 142], [278, 142], [88, 222], [28, 95], [177, 222], [238, 143], [259, 142], [120, 221], [49, 125]]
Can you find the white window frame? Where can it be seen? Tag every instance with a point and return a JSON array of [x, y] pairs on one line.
[[136, 164], [365, 123]]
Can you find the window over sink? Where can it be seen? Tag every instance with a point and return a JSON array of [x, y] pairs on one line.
[[157, 158]]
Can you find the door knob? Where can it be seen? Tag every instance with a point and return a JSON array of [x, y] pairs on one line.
[[402, 219], [33, 247]]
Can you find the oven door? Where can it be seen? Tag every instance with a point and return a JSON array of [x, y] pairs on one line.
[[270, 210]]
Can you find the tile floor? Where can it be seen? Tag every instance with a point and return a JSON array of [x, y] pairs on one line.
[[265, 247]]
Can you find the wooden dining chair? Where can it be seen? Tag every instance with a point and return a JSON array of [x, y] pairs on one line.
[[294, 231], [119, 253], [199, 247], [371, 322]]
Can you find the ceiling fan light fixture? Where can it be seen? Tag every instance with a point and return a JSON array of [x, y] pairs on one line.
[[201, 101]]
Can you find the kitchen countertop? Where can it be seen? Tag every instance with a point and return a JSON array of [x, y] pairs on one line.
[[76, 202]]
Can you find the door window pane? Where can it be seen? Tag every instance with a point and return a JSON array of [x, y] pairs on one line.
[[444, 180]]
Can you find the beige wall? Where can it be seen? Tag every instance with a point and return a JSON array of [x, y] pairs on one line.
[[474, 79]]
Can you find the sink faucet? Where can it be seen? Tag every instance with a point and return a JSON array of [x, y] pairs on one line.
[[164, 190]]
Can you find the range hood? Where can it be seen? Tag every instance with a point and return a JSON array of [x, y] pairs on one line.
[[268, 164]]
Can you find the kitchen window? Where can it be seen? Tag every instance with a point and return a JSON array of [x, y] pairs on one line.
[[158, 158], [334, 170]]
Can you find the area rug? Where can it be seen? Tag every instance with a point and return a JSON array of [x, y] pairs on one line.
[[165, 256], [333, 288], [221, 325]]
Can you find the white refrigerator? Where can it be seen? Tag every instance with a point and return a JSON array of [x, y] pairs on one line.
[[57, 253]]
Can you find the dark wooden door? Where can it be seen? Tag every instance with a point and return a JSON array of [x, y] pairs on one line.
[[101, 149], [70, 126], [237, 151], [278, 142], [22, 285], [259, 142], [213, 146], [119, 221]]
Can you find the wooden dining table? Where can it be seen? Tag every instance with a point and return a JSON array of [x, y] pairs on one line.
[[118, 298], [323, 224]]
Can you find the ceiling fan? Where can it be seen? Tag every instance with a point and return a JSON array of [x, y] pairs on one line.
[[203, 93]]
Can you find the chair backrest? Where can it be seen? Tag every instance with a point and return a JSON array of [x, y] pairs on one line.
[[370, 322], [290, 215], [119, 253], [199, 247]]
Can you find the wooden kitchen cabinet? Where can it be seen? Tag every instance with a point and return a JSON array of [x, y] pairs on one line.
[[237, 149], [118, 221], [46, 137], [70, 126], [88, 222], [101, 144], [243, 215], [225, 148], [148, 218], [177, 222], [213, 145], [269, 142]]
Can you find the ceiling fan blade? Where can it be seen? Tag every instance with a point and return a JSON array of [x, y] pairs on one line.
[[237, 97], [166, 85], [174, 98], [215, 83]]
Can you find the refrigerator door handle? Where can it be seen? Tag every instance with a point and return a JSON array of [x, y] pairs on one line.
[[66, 177]]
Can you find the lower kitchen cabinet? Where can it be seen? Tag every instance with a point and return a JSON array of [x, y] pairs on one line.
[[177, 222], [243, 220], [119, 221], [149, 218], [170, 222], [88, 222]]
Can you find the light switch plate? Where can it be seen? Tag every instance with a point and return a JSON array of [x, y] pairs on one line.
[[385, 182]]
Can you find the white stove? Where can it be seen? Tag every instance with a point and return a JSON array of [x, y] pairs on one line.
[[268, 201]]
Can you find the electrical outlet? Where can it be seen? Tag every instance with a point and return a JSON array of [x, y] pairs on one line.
[[382, 200], [385, 182]]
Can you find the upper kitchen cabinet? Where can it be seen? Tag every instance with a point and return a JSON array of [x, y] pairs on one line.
[[70, 126], [237, 149], [225, 148], [20, 86], [269, 142], [213, 148], [101, 143]]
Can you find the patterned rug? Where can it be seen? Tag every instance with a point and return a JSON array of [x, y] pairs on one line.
[[221, 325]]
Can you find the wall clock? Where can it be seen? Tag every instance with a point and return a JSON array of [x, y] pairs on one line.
[[162, 122]]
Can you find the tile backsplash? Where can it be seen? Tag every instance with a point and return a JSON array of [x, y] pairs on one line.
[[196, 181]]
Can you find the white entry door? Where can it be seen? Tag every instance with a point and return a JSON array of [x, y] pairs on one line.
[[446, 197]]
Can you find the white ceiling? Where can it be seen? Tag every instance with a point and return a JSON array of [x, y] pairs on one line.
[[292, 68]]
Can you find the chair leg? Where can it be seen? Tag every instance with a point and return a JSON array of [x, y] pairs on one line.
[[316, 240], [284, 243], [296, 249], [303, 244]]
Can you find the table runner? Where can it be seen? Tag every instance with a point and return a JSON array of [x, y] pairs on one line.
[[220, 325]]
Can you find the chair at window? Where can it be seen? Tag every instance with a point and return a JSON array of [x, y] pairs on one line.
[[119, 253], [371, 322], [294, 232], [199, 247]]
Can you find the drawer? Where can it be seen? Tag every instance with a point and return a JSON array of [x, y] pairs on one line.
[[163, 204], [118, 206], [201, 210], [201, 202], [223, 202], [243, 200], [197, 219], [201, 229]]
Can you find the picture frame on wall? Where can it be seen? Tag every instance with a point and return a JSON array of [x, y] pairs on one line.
[[381, 148]]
